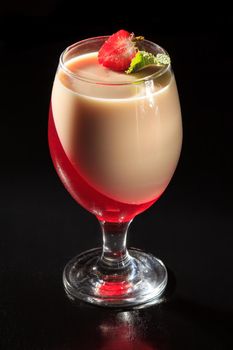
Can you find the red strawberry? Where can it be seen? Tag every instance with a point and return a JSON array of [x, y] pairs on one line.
[[118, 51]]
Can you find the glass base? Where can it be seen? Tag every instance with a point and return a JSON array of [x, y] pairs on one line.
[[142, 280]]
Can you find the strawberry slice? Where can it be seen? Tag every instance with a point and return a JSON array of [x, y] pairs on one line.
[[118, 51]]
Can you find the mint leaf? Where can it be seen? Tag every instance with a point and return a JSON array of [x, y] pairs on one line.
[[143, 59], [163, 59]]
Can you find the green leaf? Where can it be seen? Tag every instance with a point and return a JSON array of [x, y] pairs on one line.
[[143, 59]]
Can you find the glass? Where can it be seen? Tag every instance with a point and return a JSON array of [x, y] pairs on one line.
[[115, 145]]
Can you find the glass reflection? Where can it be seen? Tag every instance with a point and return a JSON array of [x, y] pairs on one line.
[[125, 331]]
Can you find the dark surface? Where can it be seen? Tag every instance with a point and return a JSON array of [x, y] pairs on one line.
[[190, 228]]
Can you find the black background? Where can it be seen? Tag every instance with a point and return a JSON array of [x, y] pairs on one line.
[[189, 228]]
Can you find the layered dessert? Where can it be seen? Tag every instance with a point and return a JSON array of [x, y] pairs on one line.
[[115, 138]]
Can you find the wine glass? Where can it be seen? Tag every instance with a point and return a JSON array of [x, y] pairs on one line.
[[115, 140]]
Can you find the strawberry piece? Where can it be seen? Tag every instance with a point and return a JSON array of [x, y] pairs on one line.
[[118, 51]]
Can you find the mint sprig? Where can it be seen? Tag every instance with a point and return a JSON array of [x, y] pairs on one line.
[[143, 59]]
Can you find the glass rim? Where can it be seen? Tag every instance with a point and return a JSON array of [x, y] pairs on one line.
[[152, 76]]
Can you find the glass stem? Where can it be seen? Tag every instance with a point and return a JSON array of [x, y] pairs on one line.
[[115, 254]]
